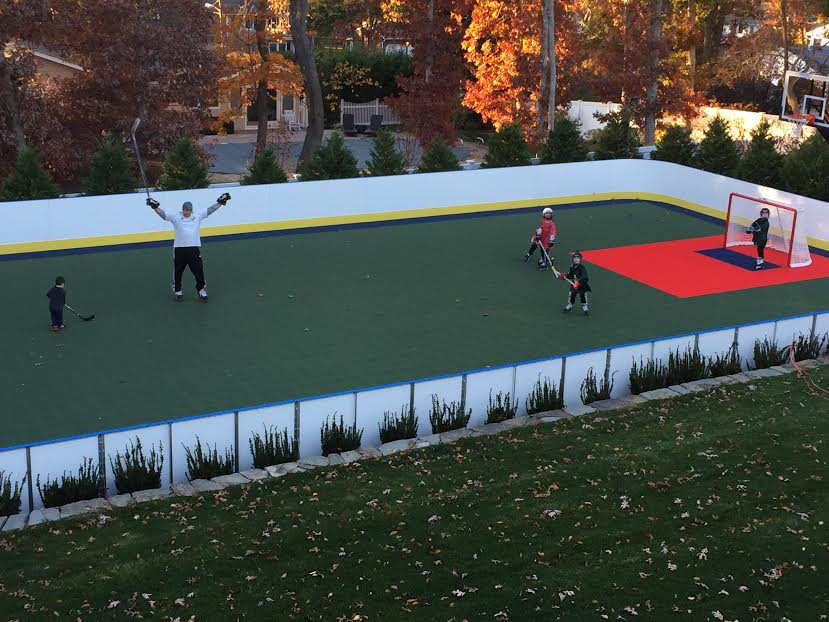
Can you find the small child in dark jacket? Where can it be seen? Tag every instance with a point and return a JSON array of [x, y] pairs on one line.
[[57, 298]]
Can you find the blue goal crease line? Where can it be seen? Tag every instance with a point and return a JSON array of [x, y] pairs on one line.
[[458, 375], [206, 240]]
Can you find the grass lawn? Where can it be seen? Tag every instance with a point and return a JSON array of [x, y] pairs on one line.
[[338, 310], [713, 505]]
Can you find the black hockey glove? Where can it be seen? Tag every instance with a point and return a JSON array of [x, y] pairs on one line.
[[222, 200], [153, 203]]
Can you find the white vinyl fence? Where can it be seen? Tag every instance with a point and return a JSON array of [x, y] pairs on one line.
[[302, 418], [362, 112]]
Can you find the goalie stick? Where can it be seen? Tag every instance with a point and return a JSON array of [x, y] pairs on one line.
[[85, 318]]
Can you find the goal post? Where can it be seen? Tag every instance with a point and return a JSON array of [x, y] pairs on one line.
[[786, 230]]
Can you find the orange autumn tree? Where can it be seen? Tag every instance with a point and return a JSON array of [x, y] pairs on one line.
[[251, 69], [503, 45]]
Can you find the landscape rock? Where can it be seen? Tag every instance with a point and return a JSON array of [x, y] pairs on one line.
[[205, 485], [489, 429], [13, 523], [703, 385], [740, 378], [679, 389], [255, 475], [154, 494], [335, 459], [516, 422], [455, 435], [809, 364], [36, 517], [549, 413], [279, 470], [430, 439], [121, 501], [659, 394], [369, 452], [387, 449], [51, 514], [185, 489], [551, 419], [234, 479], [351, 456], [81, 507], [579, 410], [312, 462], [633, 400], [611, 404], [783, 369], [762, 373]]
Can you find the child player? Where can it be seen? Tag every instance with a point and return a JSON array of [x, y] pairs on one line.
[[578, 284], [57, 298], [545, 236], [759, 231]]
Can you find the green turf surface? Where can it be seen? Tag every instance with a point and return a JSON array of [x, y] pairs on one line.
[[673, 511], [380, 305]]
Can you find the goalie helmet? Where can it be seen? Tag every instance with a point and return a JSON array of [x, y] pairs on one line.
[[548, 212], [765, 212]]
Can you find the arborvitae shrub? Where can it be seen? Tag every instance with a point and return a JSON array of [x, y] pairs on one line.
[[438, 157], [385, 159], [648, 376], [336, 438], [685, 367], [264, 170], [184, 166], [806, 169], [109, 171], [717, 152], [507, 147], [333, 160], [762, 163], [618, 139], [398, 427], [725, 364], [676, 146], [271, 447], [768, 354], [28, 179], [208, 464], [564, 143], [544, 397], [10, 495], [134, 471], [445, 417], [594, 391]]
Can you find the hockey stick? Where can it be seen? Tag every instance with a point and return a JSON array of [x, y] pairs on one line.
[[556, 273], [135, 125], [85, 318]]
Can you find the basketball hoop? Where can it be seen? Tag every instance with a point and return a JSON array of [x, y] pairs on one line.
[[800, 120]]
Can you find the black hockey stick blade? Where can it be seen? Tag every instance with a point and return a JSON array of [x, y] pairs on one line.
[[85, 318]]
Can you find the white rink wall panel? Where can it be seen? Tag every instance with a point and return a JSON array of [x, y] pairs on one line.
[[446, 389], [53, 459], [312, 416], [371, 405], [716, 342], [621, 362], [787, 330], [478, 387], [257, 421], [218, 430], [746, 335], [13, 466], [575, 371], [821, 325], [155, 437], [663, 347], [527, 375], [299, 204]]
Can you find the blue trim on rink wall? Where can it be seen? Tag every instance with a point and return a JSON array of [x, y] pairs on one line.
[[404, 383]]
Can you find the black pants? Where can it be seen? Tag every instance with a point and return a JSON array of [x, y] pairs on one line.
[[582, 297], [761, 251], [57, 317], [534, 246], [188, 257]]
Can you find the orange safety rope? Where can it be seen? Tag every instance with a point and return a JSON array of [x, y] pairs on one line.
[[812, 387]]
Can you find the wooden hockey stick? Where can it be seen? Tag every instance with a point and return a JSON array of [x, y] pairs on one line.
[[556, 273]]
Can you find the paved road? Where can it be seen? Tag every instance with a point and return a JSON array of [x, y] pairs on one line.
[[234, 158]]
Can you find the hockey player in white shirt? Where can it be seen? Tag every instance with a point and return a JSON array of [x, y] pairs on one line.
[[187, 244]]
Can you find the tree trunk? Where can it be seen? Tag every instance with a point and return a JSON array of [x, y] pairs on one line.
[[304, 52], [784, 9], [692, 49], [626, 52], [431, 15], [547, 89], [551, 49], [653, 71], [262, 99], [9, 101], [540, 117]]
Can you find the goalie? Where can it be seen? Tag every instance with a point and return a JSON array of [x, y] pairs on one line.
[[759, 231], [545, 237], [579, 285]]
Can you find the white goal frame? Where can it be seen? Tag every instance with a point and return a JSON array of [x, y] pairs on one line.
[[797, 221]]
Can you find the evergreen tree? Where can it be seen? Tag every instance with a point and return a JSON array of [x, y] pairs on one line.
[[385, 158], [264, 170], [676, 146], [618, 139], [438, 157], [28, 179], [762, 163], [718, 153], [806, 169], [564, 143], [109, 171], [333, 160], [184, 166], [507, 147]]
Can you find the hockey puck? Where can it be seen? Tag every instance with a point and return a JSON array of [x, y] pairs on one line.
[[260, 295], [306, 330]]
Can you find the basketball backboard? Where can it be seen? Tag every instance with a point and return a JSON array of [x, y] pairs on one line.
[[805, 94]]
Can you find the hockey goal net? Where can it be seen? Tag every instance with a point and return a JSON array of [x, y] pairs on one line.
[[786, 230]]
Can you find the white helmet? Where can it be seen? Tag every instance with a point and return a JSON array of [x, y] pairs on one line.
[[547, 210]]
